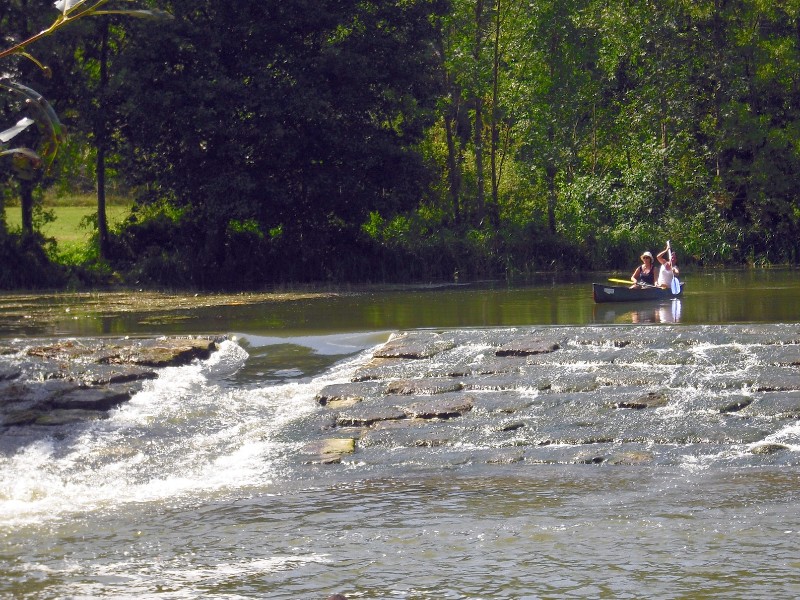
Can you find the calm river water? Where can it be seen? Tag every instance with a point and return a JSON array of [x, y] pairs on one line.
[[194, 488]]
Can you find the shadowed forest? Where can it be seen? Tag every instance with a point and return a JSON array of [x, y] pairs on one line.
[[354, 141]]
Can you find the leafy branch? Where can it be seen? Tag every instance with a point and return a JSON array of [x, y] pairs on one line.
[[72, 10], [69, 11]]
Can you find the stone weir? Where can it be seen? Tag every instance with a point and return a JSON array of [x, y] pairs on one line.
[[580, 394], [49, 383]]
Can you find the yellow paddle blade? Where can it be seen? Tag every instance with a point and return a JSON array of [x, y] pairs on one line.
[[628, 281]]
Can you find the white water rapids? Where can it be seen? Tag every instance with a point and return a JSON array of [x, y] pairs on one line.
[[186, 433], [194, 488]]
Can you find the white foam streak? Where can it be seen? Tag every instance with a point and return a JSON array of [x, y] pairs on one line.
[[788, 436], [241, 569]]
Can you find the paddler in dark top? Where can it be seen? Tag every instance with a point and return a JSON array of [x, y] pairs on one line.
[[644, 273]]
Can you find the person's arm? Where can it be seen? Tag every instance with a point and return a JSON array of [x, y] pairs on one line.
[[635, 276], [660, 256]]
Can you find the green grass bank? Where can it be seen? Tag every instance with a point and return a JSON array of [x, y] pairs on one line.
[[72, 223]]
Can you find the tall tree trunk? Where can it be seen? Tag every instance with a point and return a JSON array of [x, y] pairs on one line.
[[26, 201], [102, 224], [450, 118], [551, 167], [3, 222], [494, 208], [101, 138], [550, 172], [718, 37], [478, 125], [480, 196], [453, 166], [26, 185], [664, 126], [594, 138]]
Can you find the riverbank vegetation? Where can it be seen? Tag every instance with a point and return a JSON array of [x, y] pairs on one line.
[[284, 142]]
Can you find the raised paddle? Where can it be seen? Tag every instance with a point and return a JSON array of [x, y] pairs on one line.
[[675, 285]]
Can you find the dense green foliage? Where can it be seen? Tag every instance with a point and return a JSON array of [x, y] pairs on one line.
[[274, 129], [357, 140]]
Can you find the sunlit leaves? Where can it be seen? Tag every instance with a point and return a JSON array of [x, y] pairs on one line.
[[153, 14], [71, 9], [10, 133], [65, 6]]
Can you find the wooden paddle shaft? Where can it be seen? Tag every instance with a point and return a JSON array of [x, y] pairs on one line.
[[629, 282]]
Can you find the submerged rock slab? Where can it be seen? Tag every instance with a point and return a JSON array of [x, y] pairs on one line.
[[20, 417], [101, 374], [503, 402], [437, 385], [440, 408], [736, 404], [769, 448], [410, 433], [489, 365], [776, 405], [415, 345], [8, 373], [649, 400], [100, 398], [630, 457], [34, 394], [503, 382], [340, 395], [368, 415], [63, 350], [382, 368], [163, 352], [64, 416], [558, 394], [329, 451], [526, 346]]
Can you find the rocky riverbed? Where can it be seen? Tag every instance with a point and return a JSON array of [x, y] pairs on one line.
[[565, 394], [620, 395], [47, 383]]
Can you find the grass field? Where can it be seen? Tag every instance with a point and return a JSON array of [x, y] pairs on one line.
[[67, 228]]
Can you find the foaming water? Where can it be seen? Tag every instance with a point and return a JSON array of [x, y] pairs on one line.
[[516, 533], [185, 433], [789, 435]]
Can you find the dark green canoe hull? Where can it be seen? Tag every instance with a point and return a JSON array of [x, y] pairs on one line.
[[620, 293]]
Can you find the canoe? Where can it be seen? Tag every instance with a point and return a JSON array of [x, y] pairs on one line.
[[620, 293]]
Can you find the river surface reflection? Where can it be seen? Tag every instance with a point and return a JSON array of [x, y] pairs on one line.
[[711, 297]]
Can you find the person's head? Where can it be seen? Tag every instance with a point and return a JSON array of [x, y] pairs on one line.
[[646, 258]]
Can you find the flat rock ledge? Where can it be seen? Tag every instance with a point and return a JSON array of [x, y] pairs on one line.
[[380, 399], [527, 346], [60, 382], [414, 346], [579, 395]]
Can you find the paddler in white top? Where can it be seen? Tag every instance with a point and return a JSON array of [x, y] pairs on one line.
[[669, 268]]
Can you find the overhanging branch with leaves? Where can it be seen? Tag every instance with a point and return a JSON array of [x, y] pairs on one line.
[[69, 11]]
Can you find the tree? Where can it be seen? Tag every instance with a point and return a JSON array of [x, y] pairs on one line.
[[31, 161], [285, 123], [560, 93]]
